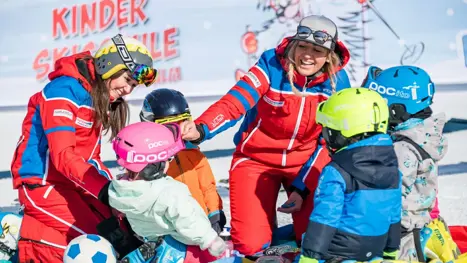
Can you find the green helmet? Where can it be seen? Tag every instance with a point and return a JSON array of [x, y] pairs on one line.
[[351, 112]]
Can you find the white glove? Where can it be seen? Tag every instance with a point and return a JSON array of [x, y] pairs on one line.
[[217, 247]]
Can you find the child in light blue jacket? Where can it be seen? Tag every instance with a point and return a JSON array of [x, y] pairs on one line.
[[159, 209]]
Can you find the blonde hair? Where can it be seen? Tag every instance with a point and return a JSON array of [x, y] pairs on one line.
[[329, 68]]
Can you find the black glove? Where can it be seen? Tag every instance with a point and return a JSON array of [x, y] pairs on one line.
[[218, 221], [123, 241], [103, 195]]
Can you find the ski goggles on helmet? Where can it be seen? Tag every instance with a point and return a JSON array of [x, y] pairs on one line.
[[175, 118], [319, 37], [142, 73]]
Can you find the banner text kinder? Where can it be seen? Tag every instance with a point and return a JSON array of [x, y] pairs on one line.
[[82, 19]]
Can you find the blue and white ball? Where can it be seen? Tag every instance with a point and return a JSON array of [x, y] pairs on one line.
[[91, 249]]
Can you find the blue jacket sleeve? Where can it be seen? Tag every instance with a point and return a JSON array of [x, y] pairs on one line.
[[325, 218], [310, 171]]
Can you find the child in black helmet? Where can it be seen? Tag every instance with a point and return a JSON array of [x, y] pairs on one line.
[[190, 166]]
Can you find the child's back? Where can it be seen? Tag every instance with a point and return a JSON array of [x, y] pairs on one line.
[[419, 146], [358, 200], [191, 167], [154, 204], [162, 207]]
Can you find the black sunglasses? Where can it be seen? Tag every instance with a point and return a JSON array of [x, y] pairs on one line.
[[320, 37]]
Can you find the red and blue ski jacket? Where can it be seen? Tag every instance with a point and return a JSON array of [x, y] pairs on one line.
[[279, 127], [60, 143]]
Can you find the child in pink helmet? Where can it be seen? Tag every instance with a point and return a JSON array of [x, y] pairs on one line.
[[156, 205]]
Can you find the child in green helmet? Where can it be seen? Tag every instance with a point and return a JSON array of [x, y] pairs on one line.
[[358, 201]]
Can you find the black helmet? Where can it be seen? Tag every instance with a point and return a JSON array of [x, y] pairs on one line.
[[163, 103]]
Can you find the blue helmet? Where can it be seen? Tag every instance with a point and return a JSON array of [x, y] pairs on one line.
[[407, 89]]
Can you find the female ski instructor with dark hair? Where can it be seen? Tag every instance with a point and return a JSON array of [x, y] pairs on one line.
[[278, 142], [56, 166]]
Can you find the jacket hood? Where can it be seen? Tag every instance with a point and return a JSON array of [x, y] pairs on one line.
[[372, 161], [73, 66], [340, 50], [427, 133]]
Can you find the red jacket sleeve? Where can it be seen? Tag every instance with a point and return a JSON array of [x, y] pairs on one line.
[[98, 164], [227, 111], [58, 115]]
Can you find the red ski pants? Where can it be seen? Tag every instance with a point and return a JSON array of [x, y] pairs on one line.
[[254, 188], [53, 216]]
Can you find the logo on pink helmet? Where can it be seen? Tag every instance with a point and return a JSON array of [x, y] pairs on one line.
[[133, 157], [157, 144]]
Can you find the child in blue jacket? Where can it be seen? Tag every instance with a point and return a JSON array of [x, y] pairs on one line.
[[358, 200]]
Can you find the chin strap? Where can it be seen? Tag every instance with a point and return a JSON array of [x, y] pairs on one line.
[[153, 171]]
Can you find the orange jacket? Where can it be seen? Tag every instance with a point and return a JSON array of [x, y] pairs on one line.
[[191, 167]]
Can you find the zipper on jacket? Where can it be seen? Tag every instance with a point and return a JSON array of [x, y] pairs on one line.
[[180, 168], [99, 137], [297, 127], [297, 124]]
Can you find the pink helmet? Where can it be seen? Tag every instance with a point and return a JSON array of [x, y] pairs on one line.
[[143, 143]]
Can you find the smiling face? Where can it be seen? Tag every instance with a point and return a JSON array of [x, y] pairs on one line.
[[121, 86], [309, 58]]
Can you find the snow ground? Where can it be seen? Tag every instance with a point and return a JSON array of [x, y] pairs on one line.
[[452, 194]]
